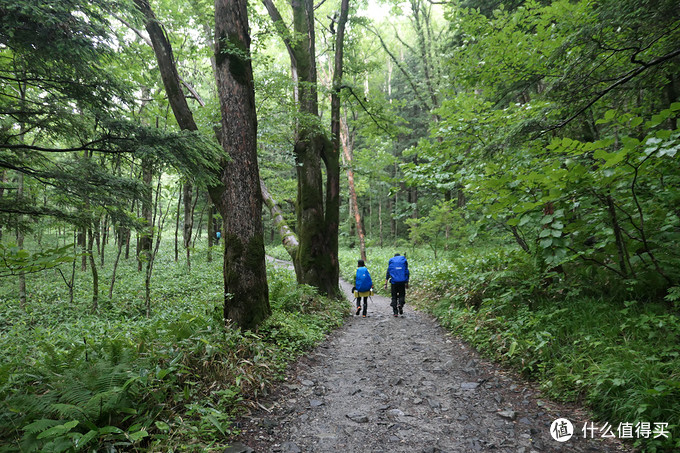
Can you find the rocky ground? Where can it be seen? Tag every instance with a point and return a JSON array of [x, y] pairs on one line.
[[385, 384]]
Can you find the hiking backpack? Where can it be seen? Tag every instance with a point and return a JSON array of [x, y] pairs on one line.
[[398, 269], [363, 281]]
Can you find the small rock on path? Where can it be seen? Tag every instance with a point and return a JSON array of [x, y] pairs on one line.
[[385, 384]]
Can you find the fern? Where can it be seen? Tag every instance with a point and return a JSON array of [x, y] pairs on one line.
[[41, 425]]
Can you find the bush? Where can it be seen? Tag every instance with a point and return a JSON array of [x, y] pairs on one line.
[[620, 357], [71, 379]]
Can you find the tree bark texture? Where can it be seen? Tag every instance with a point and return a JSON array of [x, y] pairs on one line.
[[246, 299], [177, 100], [317, 219], [346, 148]]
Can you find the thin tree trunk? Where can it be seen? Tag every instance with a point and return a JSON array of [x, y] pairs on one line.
[[82, 243], [121, 239], [211, 229], [618, 236], [187, 195], [347, 153], [20, 242], [380, 221], [105, 238], [93, 267], [146, 235], [3, 181], [179, 205]]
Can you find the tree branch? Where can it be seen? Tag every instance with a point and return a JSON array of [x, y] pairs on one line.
[[626, 78]]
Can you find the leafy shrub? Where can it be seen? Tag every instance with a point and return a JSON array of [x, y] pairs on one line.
[[79, 380], [621, 357]]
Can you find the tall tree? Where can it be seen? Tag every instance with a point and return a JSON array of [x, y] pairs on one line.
[[180, 107], [317, 219], [245, 277], [237, 196]]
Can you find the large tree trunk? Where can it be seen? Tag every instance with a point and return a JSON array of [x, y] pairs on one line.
[[317, 219], [246, 299]]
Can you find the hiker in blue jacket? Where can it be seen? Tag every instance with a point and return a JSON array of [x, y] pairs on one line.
[[398, 275], [363, 286]]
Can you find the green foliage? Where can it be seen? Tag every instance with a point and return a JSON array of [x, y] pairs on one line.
[[14, 260], [84, 381], [621, 357]]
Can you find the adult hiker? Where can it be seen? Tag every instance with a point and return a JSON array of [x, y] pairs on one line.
[[398, 275], [363, 286]]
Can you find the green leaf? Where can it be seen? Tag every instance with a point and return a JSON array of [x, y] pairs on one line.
[[59, 430], [545, 243], [635, 122], [139, 435]]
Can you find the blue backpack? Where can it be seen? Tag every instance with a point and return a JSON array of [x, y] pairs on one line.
[[398, 269], [363, 281]]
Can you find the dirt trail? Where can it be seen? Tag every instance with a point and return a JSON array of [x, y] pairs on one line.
[[385, 384]]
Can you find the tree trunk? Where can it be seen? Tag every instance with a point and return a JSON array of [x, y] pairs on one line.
[[317, 223], [179, 204], [246, 300], [211, 230], [146, 235], [3, 181], [288, 237], [121, 239], [20, 242], [347, 152], [618, 236], [82, 244], [93, 267], [178, 103], [104, 238], [187, 196]]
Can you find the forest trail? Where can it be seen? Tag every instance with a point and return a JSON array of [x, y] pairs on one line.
[[385, 384]]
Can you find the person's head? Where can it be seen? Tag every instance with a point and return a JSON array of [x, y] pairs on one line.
[[397, 254], [361, 263]]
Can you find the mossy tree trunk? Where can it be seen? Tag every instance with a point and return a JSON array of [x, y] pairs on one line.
[[317, 218], [246, 300]]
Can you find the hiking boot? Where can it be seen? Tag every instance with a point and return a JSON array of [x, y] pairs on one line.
[[401, 309], [358, 310], [396, 315]]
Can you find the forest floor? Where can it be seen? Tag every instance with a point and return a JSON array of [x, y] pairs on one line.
[[386, 384]]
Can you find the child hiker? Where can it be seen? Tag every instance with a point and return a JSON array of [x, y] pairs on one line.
[[363, 286]]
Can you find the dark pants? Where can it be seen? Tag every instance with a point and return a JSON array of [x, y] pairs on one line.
[[365, 304], [398, 296]]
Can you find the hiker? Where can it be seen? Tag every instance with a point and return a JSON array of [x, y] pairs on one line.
[[218, 235], [363, 286], [398, 275]]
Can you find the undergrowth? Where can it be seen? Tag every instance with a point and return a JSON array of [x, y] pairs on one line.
[[76, 380], [600, 344]]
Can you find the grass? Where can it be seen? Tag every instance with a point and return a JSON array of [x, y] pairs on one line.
[[73, 379]]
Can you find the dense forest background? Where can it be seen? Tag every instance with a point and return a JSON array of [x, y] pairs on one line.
[[523, 154]]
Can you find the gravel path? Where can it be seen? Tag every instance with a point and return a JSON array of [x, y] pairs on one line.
[[385, 384]]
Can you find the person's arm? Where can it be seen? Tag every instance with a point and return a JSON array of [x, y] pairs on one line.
[[407, 272]]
